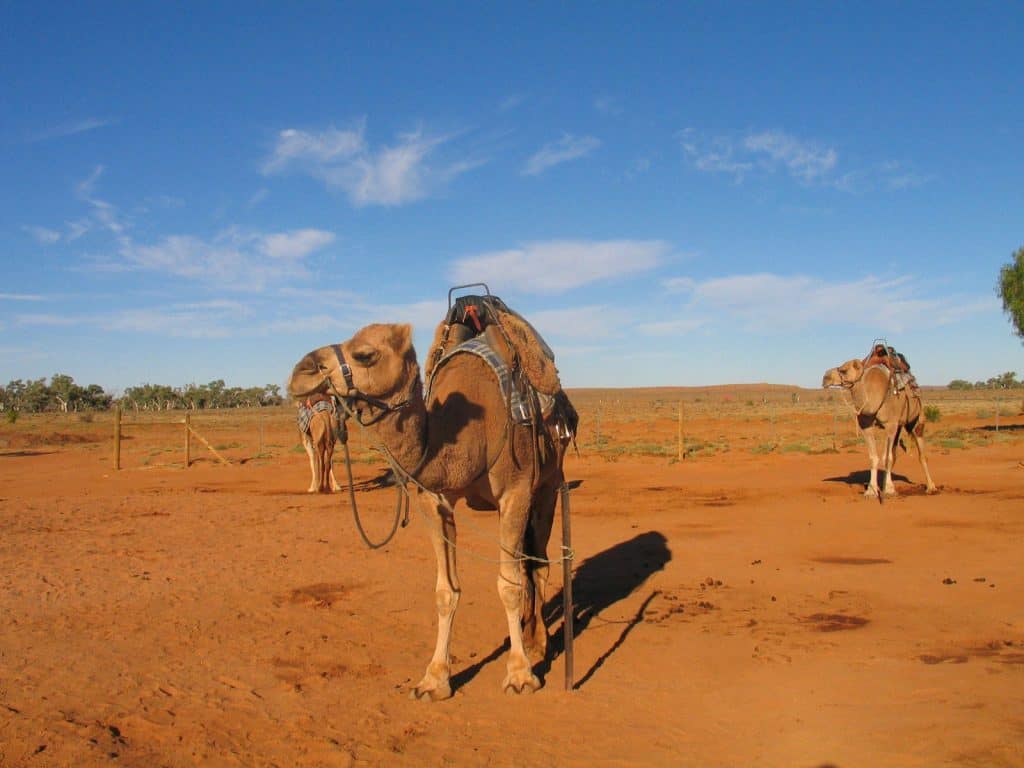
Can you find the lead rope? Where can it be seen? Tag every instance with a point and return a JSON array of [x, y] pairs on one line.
[[403, 477]]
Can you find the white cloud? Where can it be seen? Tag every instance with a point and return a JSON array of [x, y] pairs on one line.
[[234, 259], [511, 102], [559, 265], [391, 175], [21, 297], [714, 156], [295, 245], [598, 321], [44, 319], [103, 212], [766, 303], [43, 235], [562, 151], [70, 129], [802, 159]]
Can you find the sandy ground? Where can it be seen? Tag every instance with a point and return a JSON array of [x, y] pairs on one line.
[[738, 609]]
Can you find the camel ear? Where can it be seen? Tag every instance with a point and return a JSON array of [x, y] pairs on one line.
[[401, 337]]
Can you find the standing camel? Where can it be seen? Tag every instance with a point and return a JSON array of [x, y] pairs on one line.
[[884, 408], [460, 442], [316, 419]]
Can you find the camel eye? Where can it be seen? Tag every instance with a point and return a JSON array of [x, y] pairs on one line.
[[366, 357]]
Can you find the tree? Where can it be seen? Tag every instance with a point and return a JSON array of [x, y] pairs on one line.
[[1011, 290]]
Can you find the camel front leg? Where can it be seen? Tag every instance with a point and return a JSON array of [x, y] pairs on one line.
[[436, 682], [888, 486], [513, 514], [307, 443], [869, 438]]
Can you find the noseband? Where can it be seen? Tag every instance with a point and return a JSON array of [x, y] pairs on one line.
[[354, 396]]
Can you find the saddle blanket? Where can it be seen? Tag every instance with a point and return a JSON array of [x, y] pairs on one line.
[[518, 403], [305, 414]]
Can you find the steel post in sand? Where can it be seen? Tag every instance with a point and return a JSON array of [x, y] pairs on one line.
[[567, 607]]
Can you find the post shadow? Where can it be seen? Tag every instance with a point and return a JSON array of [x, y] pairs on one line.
[[598, 582]]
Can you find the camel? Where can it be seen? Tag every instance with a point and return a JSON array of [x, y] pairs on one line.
[[459, 442], [318, 438], [881, 407]]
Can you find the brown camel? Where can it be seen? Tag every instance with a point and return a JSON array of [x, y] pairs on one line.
[[318, 439], [881, 407], [459, 443]]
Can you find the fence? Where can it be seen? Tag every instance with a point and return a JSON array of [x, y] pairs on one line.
[[678, 424]]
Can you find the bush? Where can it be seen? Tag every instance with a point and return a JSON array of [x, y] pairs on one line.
[[932, 413], [12, 416]]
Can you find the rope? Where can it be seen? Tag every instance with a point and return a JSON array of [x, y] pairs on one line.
[[403, 477]]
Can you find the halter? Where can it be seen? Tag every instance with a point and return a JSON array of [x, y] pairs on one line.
[[353, 395]]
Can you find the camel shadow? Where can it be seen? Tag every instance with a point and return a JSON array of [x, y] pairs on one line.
[[863, 477], [598, 582]]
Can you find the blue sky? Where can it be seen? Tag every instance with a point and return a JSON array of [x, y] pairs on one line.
[[673, 193]]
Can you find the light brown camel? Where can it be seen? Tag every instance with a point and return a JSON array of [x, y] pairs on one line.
[[459, 443], [318, 439], [878, 406]]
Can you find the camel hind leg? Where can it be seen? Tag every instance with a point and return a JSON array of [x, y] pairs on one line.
[[891, 435], [535, 544], [436, 682], [513, 514], [917, 432]]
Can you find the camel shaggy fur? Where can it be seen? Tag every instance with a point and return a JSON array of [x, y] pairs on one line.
[[880, 408], [459, 443]]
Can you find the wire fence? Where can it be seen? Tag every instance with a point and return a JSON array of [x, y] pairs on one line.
[[675, 424]]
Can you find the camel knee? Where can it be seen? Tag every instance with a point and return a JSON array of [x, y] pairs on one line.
[[446, 600], [511, 595]]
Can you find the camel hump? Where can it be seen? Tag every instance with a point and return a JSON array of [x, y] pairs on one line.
[[473, 315]]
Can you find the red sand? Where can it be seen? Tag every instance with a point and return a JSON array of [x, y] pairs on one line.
[[737, 609]]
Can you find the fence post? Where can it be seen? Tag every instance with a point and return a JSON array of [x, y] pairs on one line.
[[682, 436], [260, 418], [117, 437], [188, 441]]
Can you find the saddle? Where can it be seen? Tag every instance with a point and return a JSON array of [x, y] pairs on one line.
[[473, 316], [517, 354], [895, 362]]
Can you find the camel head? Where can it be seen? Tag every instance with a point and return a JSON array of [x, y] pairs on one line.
[[846, 375], [381, 357]]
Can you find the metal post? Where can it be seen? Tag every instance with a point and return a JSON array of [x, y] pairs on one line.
[[188, 440], [567, 607], [682, 436], [117, 437], [260, 452]]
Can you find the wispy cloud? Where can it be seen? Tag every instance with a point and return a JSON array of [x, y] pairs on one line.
[[597, 321], [43, 235], [72, 128], [407, 170], [811, 163], [559, 265], [103, 212], [511, 102], [607, 105], [716, 155], [766, 303], [21, 297], [563, 150], [803, 160], [234, 259]]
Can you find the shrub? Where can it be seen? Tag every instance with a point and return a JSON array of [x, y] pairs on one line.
[[932, 413], [12, 416]]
